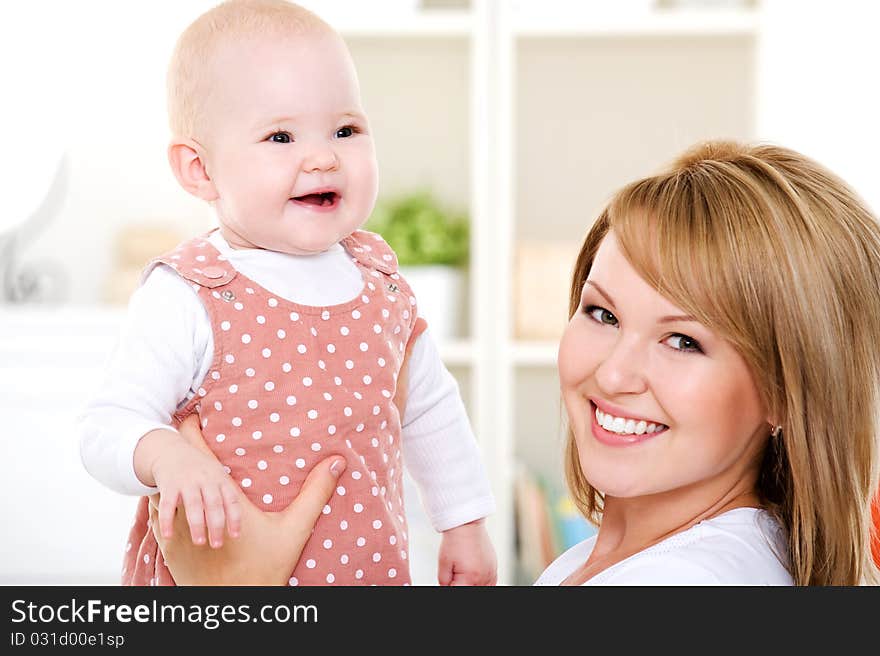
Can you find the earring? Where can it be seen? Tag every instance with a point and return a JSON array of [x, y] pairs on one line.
[[775, 432]]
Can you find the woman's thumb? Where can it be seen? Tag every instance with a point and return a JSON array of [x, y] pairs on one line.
[[302, 514]]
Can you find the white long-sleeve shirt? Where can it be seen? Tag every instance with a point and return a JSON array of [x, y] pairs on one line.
[[166, 347]]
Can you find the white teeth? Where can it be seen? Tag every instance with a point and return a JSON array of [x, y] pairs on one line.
[[626, 426]]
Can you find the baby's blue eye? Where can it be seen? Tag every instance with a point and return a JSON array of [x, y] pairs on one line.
[[343, 133], [280, 137], [601, 315]]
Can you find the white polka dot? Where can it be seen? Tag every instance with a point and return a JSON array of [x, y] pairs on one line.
[[278, 448], [295, 432], [331, 429], [252, 404], [325, 315], [202, 391], [261, 319], [377, 557], [218, 406], [340, 491], [257, 435], [273, 302], [356, 314], [220, 437], [312, 414], [330, 578], [344, 330], [245, 339], [225, 325], [146, 558], [359, 428], [240, 451], [267, 353], [365, 298], [215, 375], [392, 573], [364, 347], [294, 316], [313, 331], [262, 465], [346, 411], [281, 334], [310, 563], [236, 421], [361, 542], [238, 306], [246, 482], [316, 446], [376, 410], [359, 574], [284, 480], [392, 539], [377, 328], [377, 524], [249, 290], [286, 367], [293, 581], [356, 475], [331, 348], [300, 463], [386, 394], [367, 380], [322, 365], [343, 525], [233, 389], [337, 380], [374, 442], [249, 372], [267, 498], [328, 544], [307, 381], [230, 358], [301, 348], [291, 400], [349, 364], [358, 507], [385, 313], [274, 417], [344, 559], [269, 386], [358, 396], [328, 396], [326, 510]]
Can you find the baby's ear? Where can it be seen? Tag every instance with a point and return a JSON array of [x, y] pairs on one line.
[[188, 165]]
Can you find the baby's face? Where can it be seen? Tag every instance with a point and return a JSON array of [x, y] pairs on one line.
[[288, 145]]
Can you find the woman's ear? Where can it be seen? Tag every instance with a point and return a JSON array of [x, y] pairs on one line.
[[188, 166]]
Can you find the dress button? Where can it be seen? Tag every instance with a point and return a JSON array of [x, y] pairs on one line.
[[213, 272]]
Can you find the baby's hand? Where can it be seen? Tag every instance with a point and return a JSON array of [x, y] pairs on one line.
[[467, 556], [187, 473]]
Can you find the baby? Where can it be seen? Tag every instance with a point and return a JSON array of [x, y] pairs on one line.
[[288, 330]]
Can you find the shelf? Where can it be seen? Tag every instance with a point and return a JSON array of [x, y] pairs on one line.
[[535, 354], [708, 22], [424, 24]]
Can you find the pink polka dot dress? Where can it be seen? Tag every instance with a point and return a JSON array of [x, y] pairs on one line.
[[292, 384]]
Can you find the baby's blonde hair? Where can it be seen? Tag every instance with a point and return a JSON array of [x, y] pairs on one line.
[[778, 256], [189, 72]]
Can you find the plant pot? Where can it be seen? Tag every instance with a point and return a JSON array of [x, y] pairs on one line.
[[440, 292]]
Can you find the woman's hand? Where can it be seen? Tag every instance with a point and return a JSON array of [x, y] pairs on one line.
[[270, 543]]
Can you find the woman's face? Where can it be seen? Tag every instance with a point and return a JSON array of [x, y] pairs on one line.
[[656, 401]]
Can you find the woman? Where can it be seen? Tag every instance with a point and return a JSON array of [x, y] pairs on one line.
[[720, 375]]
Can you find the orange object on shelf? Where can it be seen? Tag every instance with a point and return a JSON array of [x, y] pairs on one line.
[[875, 541]]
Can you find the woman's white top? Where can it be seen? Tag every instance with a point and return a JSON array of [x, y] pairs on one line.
[[166, 347], [743, 546]]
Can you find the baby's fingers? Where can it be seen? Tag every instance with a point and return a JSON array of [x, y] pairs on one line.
[[195, 514], [167, 507]]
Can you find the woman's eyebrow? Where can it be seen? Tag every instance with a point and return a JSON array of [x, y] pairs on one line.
[[669, 318]]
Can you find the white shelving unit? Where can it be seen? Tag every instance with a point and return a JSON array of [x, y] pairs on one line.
[[467, 74]]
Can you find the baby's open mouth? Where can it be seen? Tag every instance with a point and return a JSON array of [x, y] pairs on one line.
[[325, 199]]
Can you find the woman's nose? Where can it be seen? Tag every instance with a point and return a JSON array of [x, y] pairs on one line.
[[622, 369]]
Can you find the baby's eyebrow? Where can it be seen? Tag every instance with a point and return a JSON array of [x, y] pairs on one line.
[[347, 115]]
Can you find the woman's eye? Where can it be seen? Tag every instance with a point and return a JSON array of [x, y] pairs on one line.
[[280, 137], [601, 315], [344, 133], [684, 343]]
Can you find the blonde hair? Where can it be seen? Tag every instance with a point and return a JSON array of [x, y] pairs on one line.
[[189, 77], [776, 254]]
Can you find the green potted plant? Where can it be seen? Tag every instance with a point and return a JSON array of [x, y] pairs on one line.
[[432, 243]]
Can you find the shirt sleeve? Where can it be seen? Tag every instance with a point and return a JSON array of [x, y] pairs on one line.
[[155, 362], [438, 444]]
